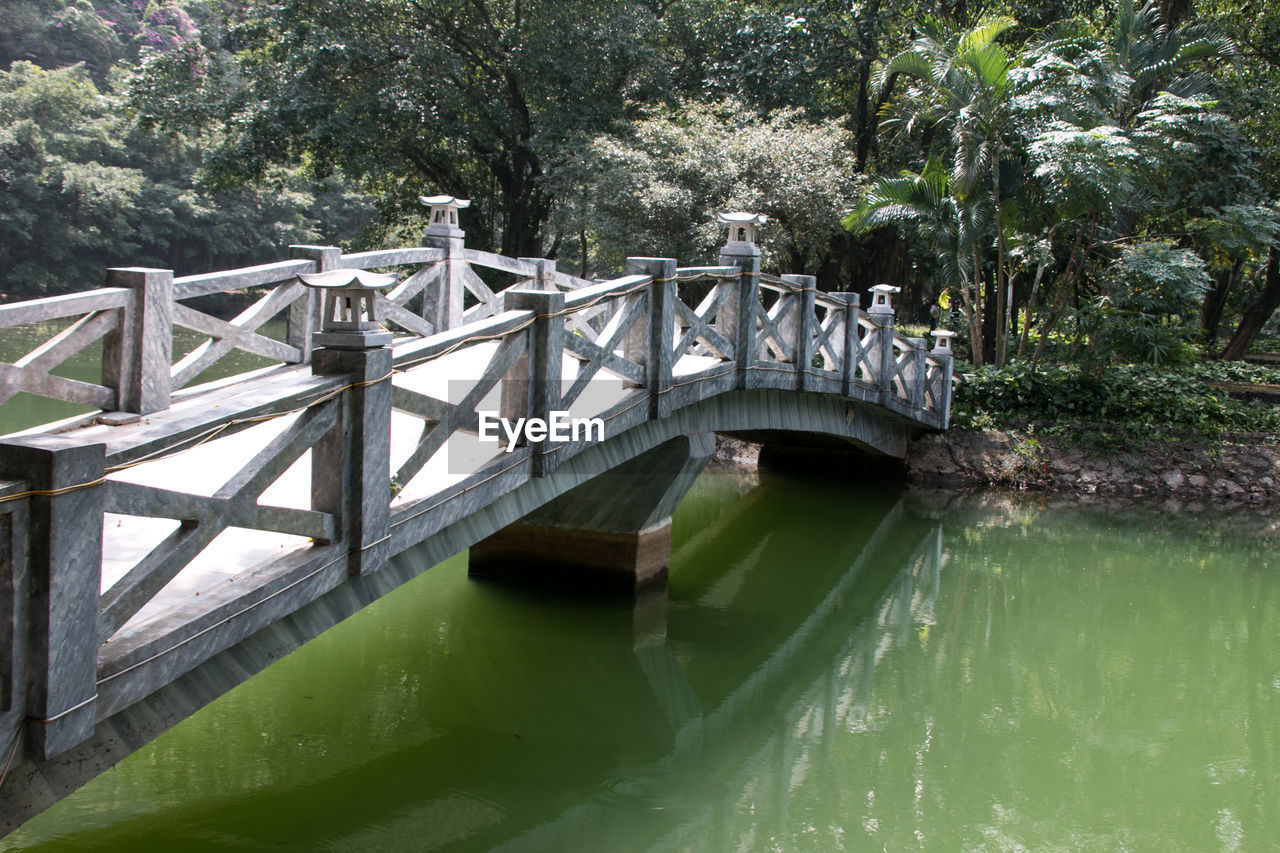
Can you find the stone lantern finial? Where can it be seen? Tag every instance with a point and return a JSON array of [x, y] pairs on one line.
[[350, 316], [444, 215], [942, 343], [742, 230], [882, 299]]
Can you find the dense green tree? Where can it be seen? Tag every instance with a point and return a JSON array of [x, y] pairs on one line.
[[1084, 140], [469, 97], [655, 188], [81, 189], [960, 89]]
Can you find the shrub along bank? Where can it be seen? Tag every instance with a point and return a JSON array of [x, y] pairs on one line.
[[1185, 402], [1128, 430]]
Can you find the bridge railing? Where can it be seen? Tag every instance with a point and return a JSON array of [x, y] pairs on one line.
[[835, 345], [83, 319], [665, 338], [133, 320]]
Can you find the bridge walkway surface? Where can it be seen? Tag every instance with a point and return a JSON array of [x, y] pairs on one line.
[[160, 551]]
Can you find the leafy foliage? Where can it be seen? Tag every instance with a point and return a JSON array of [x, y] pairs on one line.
[[655, 189], [82, 189], [1135, 395], [1157, 278]]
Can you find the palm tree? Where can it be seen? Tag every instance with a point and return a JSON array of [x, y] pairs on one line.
[[961, 84], [952, 229]]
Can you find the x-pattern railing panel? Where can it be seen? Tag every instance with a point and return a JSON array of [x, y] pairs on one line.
[[868, 342], [695, 326], [605, 351], [201, 518], [240, 333], [395, 304], [935, 379], [32, 372], [775, 320], [488, 303], [902, 368], [828, 335], [441, 418], [93, 315]]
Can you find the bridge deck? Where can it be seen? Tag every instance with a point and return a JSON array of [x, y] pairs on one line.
[[236, 552]]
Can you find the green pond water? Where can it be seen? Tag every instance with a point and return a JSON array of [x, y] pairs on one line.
[[833, 667]]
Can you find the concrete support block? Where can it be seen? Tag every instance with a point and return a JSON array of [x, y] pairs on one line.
[[739, 312], [136, 358], [610, 534], [351, 465], [851, 346], [884, 364], [944, 393], [802, 326], [544, 276], [918, 370], [63, 549]]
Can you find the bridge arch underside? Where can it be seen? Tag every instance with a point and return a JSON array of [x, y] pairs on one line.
[[611, 532], [654, 462]]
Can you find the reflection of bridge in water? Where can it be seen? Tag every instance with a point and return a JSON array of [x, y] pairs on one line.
[[153, 563], [815, 676], [642, 708]]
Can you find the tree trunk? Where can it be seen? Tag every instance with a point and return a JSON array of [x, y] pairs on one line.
[[1257, 314], [1031, 306], [1215, 300], [990, 318], [1065, 287], [1001, 324], [976, 313]]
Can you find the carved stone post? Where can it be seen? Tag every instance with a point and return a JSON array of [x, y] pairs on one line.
[[544, 276], [851, 345], [136, 358], [942, 392], [538, 373], [351, 464], [881, 312], [738, 315], [918, 371], [442, 304], [802, 326], [660, 330], [64, 563], [304, 313]]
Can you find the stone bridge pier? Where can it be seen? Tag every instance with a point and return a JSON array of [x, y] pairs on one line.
[[610, 534]]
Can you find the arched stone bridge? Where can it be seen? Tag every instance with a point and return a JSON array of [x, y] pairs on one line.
[[159, 551]]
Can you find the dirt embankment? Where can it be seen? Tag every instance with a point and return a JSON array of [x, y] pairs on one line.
[[1190, 470]]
